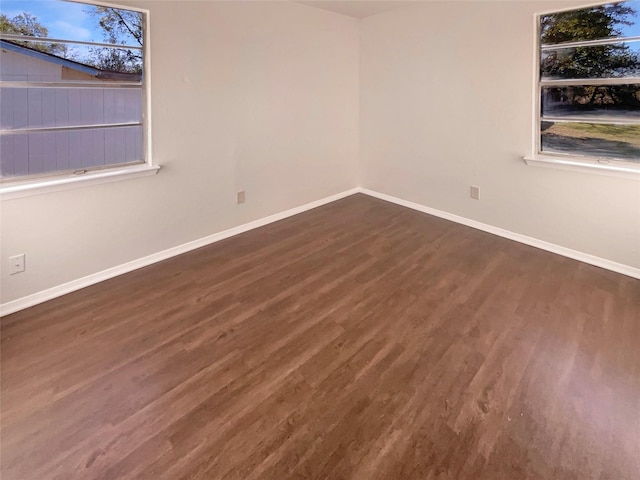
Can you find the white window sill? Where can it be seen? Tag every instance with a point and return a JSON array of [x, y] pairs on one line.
[[9, 191], [616, 169]]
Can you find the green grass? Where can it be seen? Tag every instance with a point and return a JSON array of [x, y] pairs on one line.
[[620, 133]]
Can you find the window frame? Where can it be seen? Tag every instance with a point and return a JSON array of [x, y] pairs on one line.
[[568, 161], [17, 187]]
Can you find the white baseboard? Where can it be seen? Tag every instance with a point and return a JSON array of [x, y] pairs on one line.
[[533, 242], [51, 293]]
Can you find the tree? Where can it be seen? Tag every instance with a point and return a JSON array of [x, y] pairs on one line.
[[28, 25], [586, 24], [596, 61], [119, 27]]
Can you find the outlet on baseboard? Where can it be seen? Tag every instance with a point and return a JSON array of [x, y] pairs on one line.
[[240, 197], [475, 192], [16, 264]]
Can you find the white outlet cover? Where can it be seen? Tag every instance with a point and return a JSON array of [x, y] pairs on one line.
[[16, 264]]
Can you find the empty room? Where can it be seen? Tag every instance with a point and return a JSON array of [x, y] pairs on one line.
[[349, 240]]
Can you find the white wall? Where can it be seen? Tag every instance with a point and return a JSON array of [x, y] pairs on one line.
[[446, 102], [260, 96], [264, 96]]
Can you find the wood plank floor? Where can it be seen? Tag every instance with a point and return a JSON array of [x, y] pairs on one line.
[[359, 340]]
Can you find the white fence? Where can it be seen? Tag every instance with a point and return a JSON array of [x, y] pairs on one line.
[[29, 107]]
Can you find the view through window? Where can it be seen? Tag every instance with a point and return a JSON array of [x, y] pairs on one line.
[[589, 84], [71, 88]]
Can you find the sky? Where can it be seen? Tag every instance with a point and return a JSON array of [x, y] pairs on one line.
[[64, 20], [633, 30]]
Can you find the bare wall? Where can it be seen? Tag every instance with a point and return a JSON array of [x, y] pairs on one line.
[[446, 102], [293, 104], [258, 96]]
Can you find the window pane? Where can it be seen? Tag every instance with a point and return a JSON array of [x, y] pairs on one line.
[[64, 107], [62, 151], [80, 63], [598, 61], [592, 140], [70, 127], [604, 21], [620, 101], [79, 22]]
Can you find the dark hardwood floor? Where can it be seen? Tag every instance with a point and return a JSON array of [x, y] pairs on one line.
[[359, 340]]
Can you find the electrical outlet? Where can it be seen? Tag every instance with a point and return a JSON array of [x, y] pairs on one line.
[[16, 264], [240, 197], [475, 192]]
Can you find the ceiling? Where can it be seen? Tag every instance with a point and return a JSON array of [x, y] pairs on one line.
[[359, 8]]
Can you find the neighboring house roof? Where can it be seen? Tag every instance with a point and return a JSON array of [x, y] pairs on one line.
[[65, 62]]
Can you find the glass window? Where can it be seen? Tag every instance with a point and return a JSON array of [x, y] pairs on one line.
[[72, 88], [589, 82]]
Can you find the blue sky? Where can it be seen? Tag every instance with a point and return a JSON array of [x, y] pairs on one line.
[[63, 20], [633, 30], [66, 20]]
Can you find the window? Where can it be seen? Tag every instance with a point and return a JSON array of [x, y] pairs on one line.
[[72, 89], [588, 86]]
